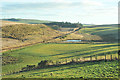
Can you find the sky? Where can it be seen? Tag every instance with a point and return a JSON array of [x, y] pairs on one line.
[[83, 11]]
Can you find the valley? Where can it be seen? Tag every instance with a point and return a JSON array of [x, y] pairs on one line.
[[29, 44]]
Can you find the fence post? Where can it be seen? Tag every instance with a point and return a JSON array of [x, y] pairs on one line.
[[96, 58], [111, 56], [84, 58], [72, 60], [90, 58], [66, 61], [105, 57], [56, 62]]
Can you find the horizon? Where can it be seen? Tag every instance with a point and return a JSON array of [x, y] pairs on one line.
[[58, 21], [85, 12]]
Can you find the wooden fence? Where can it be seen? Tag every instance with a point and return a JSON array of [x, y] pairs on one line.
[[67, 61], [107, 57]]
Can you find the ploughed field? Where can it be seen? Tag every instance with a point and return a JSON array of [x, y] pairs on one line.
[[32, 55]]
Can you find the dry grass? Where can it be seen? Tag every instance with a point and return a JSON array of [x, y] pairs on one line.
[[4, 23], [23, 34], [83, 36]]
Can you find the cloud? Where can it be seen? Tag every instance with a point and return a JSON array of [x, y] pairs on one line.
[[35, 5], [69, 10], [91, 3], [51, 5]]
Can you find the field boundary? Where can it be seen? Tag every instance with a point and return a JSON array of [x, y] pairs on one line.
[[48, 64]]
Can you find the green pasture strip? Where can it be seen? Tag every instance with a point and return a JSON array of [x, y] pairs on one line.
[[34, 54], [86, 70], [99, 30], [107, 33]]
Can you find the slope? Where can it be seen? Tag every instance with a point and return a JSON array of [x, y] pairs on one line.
[[19, 34], [28, 21]]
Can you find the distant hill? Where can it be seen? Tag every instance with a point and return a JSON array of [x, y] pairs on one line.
[[4, 23], [108, 32], [105, 25], [53, 24], [28, 21]]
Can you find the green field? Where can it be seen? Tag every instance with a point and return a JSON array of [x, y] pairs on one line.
[[34, 54], [84, 70], [107, 32]]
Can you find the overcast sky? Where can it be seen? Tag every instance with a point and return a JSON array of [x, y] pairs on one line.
[[83, 11]]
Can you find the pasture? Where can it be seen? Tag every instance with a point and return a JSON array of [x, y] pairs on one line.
[[32, 55], [102, 33], [84, 70], [108, 33]]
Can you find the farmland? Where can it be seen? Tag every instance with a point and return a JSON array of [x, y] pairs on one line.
[[104, 33], [99, 41], [83, 70], [56, 52], [108, 33]]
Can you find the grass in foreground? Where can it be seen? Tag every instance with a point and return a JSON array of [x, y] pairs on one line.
[[34, 54], [84, 70]]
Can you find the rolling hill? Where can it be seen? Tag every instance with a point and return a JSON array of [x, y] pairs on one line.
[[23, 34], [104, 33], [19, 34], [108, 33], [28, 21], [4, 23]]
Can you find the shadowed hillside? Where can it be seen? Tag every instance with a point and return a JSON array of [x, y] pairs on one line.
[[108, 33]]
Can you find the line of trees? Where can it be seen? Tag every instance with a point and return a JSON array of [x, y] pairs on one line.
[[64, 24]]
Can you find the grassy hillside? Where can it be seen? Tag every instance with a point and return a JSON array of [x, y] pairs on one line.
[[28, 21], [108, 33], [84, 37], [27, 33], [15, 60], [56, 52], [4, 23], [104, 33]]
